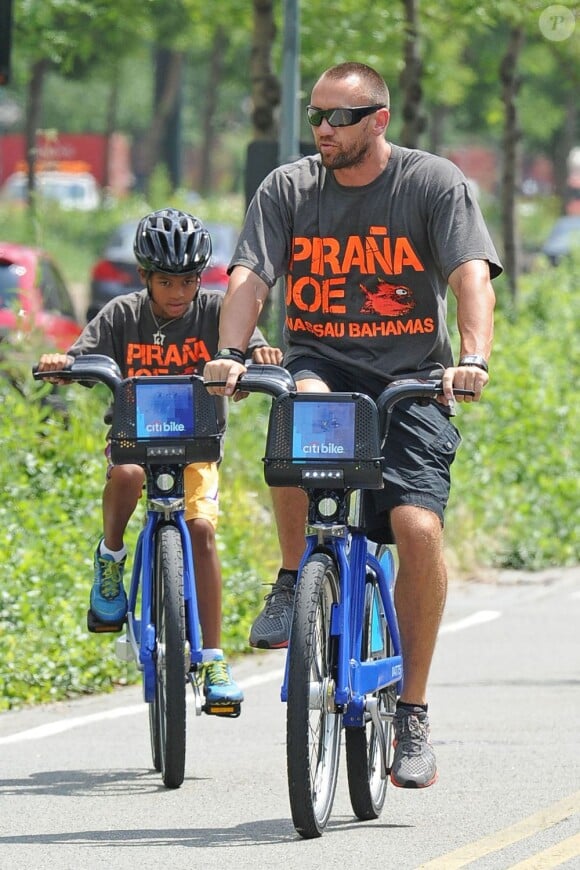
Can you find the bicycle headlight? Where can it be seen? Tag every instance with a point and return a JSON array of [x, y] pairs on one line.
[[327, 507], [164, 482]]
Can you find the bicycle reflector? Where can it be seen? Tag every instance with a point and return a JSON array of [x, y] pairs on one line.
[[165, 482]]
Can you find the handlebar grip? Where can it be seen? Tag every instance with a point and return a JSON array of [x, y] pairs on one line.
[[63, 374], [87, 367], [270, 379]]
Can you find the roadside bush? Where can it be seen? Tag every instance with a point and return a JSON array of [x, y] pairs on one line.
[[516, 479]]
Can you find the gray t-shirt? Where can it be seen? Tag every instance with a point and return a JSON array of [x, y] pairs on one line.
[[125, 330], [366, 268]]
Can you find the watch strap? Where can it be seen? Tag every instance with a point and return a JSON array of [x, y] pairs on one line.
[[473, 359]]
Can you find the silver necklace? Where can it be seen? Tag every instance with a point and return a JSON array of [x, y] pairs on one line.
[[159, 336]]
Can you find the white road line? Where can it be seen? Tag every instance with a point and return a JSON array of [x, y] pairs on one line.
[[62, 725], [470, 621]]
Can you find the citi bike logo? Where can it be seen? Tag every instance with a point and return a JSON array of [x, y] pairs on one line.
[[327, 448], [167, 426]]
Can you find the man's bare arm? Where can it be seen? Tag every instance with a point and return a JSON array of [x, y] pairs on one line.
[[241, 309], [471, 285]]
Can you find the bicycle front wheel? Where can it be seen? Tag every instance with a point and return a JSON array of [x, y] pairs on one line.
[[312, 725], [367, 770], [167, 711]]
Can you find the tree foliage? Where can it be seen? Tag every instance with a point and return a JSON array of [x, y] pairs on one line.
[[460, 45]]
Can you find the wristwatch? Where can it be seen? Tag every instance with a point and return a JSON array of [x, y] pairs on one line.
[[473, 359], [233, 353]]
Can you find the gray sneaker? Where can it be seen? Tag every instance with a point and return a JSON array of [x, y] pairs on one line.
[[271, 628], [414, 764]]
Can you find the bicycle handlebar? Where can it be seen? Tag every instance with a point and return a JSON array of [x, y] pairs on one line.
[[90, 367], [275, 381], [413, 389], [270, 379], [409, 389]]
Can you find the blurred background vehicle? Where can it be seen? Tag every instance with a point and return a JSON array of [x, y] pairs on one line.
[[34, 298], [564, 237], [71, 190], [115, 272]]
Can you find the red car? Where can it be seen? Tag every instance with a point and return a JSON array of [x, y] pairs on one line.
[[34, 297]]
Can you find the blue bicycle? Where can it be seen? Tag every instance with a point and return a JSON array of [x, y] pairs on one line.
[[163, 424], [344, 667]]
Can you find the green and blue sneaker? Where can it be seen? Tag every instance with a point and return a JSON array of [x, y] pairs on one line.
[[108, 598], [218, 685]]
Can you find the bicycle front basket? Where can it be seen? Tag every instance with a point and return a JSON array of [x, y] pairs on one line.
[[165, 420], [323, 441]]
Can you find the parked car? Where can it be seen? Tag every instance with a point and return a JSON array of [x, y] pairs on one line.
[[116, 270], [34, 297], [565, 237], [71, 190]]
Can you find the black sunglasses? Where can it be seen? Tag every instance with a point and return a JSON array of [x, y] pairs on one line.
[[340, 117]]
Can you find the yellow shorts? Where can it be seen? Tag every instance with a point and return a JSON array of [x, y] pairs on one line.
[[201, 489], [201, 492]]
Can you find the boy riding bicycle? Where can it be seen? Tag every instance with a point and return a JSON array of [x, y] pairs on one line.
[[170, 327]]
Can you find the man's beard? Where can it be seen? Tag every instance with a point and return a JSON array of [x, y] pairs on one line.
[[349, 159]]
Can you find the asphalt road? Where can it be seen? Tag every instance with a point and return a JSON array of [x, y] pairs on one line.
[[77, 789]]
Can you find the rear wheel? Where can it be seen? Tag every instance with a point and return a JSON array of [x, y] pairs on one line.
[[367, 775], [313, 726], [168, 711]]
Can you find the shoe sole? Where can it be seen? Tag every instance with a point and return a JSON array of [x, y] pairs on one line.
[[263, 644], [96, 625], [412, 784]]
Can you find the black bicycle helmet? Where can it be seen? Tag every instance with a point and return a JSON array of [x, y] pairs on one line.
[[172, 241]]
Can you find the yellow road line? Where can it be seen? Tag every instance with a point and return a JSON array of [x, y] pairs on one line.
[[540, 821], [552, 857]]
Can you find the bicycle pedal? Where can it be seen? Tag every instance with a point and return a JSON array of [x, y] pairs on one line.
[[95, 626], [231, 710]]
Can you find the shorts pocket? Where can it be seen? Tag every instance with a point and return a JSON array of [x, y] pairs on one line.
[[447, 441]]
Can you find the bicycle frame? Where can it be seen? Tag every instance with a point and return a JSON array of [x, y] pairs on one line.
[[141, 632], [354, 678], [336, 677]]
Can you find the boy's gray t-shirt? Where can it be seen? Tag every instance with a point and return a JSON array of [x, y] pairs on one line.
[[125, 330], [367, 267]]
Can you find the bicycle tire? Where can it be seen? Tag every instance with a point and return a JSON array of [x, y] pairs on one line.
[[167, 716], [312, 729], [155, 736], [366, 784]]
